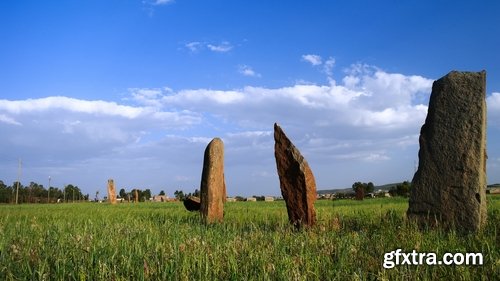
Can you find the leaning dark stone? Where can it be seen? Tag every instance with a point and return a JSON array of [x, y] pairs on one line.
[[192, 203]]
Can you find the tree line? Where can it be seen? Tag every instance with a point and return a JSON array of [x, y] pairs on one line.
[[144, 195], [361, 189], [180, 195], [37, 193]]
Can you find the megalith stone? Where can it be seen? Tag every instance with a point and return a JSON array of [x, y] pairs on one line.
[[297, 183], [136, 196], [192, 203], [111, 192], [449, 187], [213, 185]]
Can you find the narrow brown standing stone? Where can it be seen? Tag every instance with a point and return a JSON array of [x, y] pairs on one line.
[[136, 196], [360, 194], [213, 185], [449, 187], [297, 183], [111, 192]]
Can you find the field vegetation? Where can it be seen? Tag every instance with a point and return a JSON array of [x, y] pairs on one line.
[[162, 241]]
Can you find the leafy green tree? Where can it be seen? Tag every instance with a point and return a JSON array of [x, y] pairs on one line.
[[402, 189], [122, 193], [196, 193], [5, 193], [162, 193], [145, 195], [179, 195], [370, 187], [359, 189], [362, 188], [72, 193]]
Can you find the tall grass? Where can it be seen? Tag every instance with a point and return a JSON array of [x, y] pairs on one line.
[[162, 241]]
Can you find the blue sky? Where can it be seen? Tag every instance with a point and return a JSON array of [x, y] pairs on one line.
[[134, 90]]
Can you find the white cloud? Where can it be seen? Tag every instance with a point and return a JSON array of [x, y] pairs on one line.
[[9, 120], [493, 109], [161, 2], [494, 101], [247, 71], [312, 59], [194, 46], [197, 46], [328, 66], [377, 99], [68, 128], [83, 106], [250, 134], [151, 5], [220, 48], [156, 137], [192, 98]]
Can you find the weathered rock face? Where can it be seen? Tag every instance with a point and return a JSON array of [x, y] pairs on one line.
[[111, 192], [213, 185], [449, 187], [297, 183], [136, 196], [192, 203]]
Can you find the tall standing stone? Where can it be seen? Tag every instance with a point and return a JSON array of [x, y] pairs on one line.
[[449, 187], [111, 192], [297, 183], [136, 196], [213, 185]]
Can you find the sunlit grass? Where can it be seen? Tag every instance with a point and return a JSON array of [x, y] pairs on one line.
[[162, 241]]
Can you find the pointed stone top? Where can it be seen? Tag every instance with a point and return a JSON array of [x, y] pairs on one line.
[[216, 140]]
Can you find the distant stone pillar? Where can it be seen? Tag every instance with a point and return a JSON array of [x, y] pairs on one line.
[[449, 187], [136, 196], [213, 185], [111, 192], [360, 193], [297, 182]]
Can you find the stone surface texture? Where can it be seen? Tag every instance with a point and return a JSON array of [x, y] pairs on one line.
[[449, 187], [213, 185], [297, 182], [111, 192], [136, 196]]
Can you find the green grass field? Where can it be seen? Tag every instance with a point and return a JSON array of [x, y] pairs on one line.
[[162, 241]]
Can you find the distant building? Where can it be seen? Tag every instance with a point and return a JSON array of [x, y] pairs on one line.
[[251, 199], [370, 195], [383, 193], [493, 190], [160, 198], [326, 196], [269, 199], [230, 199]]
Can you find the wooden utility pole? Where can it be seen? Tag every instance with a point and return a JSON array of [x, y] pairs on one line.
[[18, 179], [48, 192]]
